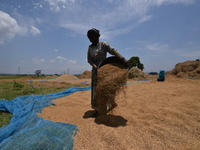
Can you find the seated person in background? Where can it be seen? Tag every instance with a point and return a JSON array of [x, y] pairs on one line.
[[161, 76]]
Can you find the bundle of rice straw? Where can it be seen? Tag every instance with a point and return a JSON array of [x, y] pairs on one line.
[[110, 81]]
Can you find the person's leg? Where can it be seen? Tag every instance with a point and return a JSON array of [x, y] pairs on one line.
[[93, 90]]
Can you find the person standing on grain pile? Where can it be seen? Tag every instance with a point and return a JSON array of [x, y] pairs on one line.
[[96, 53]]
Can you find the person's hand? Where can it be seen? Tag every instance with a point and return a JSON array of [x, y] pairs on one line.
[[95, 67]]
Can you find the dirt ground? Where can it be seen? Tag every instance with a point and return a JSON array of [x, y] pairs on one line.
[[151, 115]]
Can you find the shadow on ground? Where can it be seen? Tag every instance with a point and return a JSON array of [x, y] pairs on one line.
[[108, 119]]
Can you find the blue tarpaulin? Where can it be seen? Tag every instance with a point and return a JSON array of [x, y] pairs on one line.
[[28, 131]]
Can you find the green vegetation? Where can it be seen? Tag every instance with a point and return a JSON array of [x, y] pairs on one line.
[[19, 76], [135, 62], [10, 77], [5, 118], [12, 89], [153, 73]]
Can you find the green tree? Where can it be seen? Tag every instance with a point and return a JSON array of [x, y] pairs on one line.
[[135, 62], [38, 72]]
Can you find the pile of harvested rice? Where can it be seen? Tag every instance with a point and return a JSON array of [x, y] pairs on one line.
[[66, 76], [186, 69], [85, 75], [110, 81]]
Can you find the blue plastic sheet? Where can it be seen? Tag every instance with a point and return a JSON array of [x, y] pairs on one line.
[[28, 131]]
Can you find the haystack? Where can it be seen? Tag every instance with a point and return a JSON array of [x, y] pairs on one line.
[[136, 73], [86, 74], [54, 76], [186, 69], [67, 76]]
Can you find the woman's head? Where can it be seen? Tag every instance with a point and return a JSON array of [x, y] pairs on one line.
[[93, 31], [93, 35]]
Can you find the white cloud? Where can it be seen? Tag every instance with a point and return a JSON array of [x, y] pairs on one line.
[[38, 61], [162, 2], [56, 4], [8, 26], [112, 17], [61, 58], [68, 61], [37, 5], [34, 31], [118, 17], [56, 9], [156, 47], [71, 61], [56, 50], [144, 18]]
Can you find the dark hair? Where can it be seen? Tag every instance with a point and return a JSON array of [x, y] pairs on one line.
[[94, 32]]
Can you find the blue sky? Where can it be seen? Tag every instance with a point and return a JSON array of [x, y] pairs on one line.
[[50, 35]]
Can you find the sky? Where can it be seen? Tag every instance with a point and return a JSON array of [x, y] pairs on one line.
[[50, 35]]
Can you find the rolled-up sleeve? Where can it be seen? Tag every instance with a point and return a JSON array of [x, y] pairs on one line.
[[112, 50]]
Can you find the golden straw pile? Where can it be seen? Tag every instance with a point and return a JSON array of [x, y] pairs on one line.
[[110, 81]]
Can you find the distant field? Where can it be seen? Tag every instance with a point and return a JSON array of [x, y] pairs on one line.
[[18, 76], [10, 77]]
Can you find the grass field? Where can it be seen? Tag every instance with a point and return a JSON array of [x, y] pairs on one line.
[[10, 77], [16, 86]]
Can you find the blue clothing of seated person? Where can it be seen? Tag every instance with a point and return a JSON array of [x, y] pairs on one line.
[[161, 76]]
